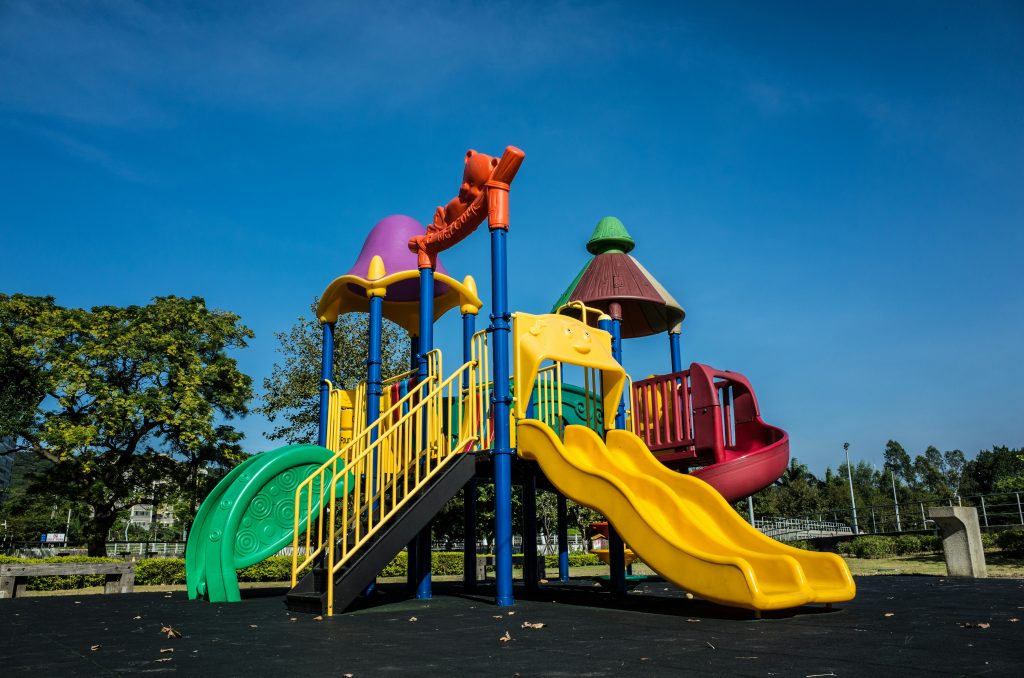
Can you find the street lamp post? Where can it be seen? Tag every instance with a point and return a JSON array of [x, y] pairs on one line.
[[849, 476], [895, 501]]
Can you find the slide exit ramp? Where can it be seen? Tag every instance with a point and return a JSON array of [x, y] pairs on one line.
[[680, 526]]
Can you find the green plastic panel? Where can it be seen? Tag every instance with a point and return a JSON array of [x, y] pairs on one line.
[[248, 517]]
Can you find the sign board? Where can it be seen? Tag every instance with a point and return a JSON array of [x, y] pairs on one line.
[[53, 537]]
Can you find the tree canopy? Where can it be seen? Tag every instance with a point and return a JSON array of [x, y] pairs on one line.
[[125, 396], [291, 392]]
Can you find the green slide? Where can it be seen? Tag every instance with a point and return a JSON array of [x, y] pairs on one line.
[[248, 517]]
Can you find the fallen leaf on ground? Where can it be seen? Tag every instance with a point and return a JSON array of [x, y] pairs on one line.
[[164, 650], [95, 647], [511, 613], [530, 625], [973, 625], [165, 659], [320, 617], [253, 626], [505, 638], [171, 632], [889, 614], [293, 619], [1013, 620], [693, 621], [710, 645], [689, 596], [497, 616], [137, 617], [166, 596], [543, 581], [412, 619], [347, 675]]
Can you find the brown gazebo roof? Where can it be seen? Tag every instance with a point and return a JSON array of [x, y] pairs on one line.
[[617, 284]]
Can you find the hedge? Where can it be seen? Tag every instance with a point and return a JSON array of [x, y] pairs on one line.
[[170, 571], [1007, 541], [1011, 541]]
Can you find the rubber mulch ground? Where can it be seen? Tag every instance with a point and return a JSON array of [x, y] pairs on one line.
[[901, 626]]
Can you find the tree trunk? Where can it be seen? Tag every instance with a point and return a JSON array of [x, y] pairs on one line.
[[96, 531]]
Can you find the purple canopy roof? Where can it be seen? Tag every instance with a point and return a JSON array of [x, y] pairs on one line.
[[389, 240]]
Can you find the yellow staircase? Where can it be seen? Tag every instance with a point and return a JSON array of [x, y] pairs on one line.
[[390, 461]]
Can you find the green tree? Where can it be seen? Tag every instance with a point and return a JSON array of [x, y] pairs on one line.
[[292, 391], [21, 380], [128, 392], [898, 461], [994, 470]]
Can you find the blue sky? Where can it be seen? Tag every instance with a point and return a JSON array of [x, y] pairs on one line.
[[832, 190]]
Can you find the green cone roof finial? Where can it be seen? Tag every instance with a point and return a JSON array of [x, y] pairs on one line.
[[610, 236]]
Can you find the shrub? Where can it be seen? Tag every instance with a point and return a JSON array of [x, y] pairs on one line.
[[905, 544], [274, 568], [160, 571], [988, 540], [397, 567], [583, 560], [576, 559], [870, 547], [1011, 541]]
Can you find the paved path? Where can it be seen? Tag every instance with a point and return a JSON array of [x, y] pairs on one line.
[[655, 631]]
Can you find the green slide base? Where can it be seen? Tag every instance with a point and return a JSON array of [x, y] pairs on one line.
[[248, 517]]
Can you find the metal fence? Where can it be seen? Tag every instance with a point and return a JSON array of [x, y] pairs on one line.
[[151, 549], [995, 511], [545, 546], [792, 529]]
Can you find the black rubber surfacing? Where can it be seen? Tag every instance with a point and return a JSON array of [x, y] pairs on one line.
[[931, 630]]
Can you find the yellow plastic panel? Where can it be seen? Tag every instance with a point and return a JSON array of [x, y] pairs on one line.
[[340, 298], [679, 525], [537, 338]]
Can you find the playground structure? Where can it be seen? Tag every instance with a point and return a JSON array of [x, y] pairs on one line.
[[391, 454]]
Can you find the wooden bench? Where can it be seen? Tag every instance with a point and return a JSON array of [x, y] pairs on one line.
[[120, 577]]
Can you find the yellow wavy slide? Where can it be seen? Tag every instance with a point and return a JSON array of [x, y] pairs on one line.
[[679, 525]]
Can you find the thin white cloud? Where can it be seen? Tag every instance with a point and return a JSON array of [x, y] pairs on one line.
[[142, 66]]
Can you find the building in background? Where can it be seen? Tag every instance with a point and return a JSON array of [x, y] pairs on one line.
[[142, 516]]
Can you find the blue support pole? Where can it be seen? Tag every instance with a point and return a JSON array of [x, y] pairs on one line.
[[423, 583], [616, 555], [373, 373], [502, 398], [469, 491], [326, 372], [673, 346], [373, 385]]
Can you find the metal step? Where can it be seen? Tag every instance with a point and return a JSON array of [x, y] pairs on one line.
[[360, 572]]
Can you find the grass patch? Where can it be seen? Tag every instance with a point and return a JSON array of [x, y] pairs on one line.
[[998, 565]]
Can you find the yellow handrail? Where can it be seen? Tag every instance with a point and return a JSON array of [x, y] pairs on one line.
[[549, 396], [345, 420], [584, 311]]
